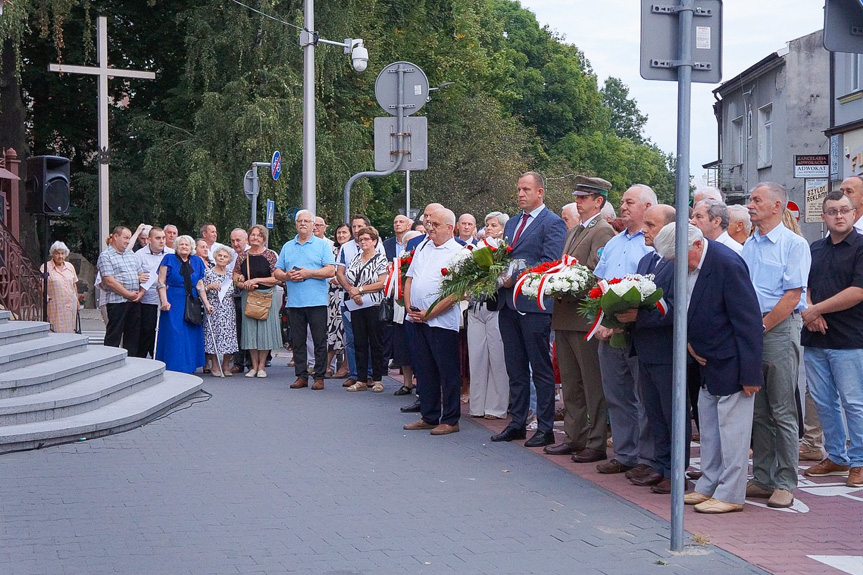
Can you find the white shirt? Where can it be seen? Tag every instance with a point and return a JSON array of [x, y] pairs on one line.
[[151, 262], [727, 240], [858, 225], [692, 276], [425, 276], [212, 251]]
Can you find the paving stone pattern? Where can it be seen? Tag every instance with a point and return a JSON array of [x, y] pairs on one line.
[[263, 479]]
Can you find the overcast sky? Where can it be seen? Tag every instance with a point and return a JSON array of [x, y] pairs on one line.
[[608, 32]]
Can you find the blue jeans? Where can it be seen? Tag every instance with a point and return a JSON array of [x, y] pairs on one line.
[[350, 352], [834, 377]]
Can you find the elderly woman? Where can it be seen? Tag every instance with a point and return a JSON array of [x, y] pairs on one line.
[[220, 330], [489, 384], [253, 271], [335, 329], [62, 290], [180, 343], [366, 274]]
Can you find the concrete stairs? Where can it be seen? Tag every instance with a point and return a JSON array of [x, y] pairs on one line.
[[55, 388]]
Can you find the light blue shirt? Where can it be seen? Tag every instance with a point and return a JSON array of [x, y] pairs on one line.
[[778, 262], [621, 255], [314, 254]]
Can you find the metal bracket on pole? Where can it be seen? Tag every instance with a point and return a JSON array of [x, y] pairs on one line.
[[704, 66], [673, 10]]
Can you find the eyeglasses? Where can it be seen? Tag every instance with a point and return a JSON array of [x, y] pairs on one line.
[[364, 239], [833, 212]]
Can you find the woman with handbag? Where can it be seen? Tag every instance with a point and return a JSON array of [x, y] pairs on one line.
[[366, 274], [253, 273], [181, 289]]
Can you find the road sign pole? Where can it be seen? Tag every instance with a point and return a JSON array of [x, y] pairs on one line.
[[679, 418], [408, 194], [255, 189]]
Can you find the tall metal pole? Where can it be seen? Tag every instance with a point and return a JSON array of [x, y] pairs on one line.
[[102, 138], [309, 156], [408, 194], [255, 189], [679, 417]]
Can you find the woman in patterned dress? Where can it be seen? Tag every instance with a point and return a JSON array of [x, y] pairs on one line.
[[220, 331], [335, 329], [62, 290]]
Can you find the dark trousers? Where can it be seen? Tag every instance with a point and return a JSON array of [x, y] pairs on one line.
[[387, 332], [526, 347], [302, 320], [693, 387], [147, 330], [434, 354], [655, 380], [123, 320], [367, 336], [241, 356]]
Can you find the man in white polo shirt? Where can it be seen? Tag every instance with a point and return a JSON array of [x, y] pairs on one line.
[[151, 258], [434, 333]]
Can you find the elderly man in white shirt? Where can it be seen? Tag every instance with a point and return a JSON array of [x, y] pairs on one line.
[[434, 333], [711, 217]]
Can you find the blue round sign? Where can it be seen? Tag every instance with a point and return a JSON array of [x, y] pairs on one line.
[[276, 165]]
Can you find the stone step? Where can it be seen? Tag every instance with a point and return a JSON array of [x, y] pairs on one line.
[[84, 395], [118, 416], [5, 314], [16, 331], [40, 377], [44, 349], [95, 337]]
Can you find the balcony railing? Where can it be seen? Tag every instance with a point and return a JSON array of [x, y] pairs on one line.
[[20, 281]]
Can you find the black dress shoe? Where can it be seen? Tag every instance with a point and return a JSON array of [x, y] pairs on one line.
[[510, 434], [588, 455], [540, 438], [412, 408], [648, 480], [559, 449]]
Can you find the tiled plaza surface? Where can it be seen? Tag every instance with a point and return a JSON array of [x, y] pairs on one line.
[[263, 479]]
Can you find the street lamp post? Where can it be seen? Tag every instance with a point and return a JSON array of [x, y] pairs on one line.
[[308, 40]]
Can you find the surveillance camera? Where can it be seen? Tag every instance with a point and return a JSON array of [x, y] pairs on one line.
[[360, 57]]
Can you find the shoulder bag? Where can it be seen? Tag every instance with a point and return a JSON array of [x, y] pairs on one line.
[[194, 311], [258, 303]]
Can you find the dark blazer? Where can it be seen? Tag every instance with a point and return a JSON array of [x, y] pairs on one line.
[[390, 248], [652, 335], [541, 241], [584, 244], [724, 323]]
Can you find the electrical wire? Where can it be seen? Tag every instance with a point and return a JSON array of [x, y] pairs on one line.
[[291, 24]]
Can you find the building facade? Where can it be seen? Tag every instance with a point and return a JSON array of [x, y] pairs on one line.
[[846, 117]]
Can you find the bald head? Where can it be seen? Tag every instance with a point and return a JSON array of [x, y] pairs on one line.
[[655, 218]]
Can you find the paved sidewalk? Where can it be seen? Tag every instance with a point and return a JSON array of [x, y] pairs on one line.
[[263, 479]]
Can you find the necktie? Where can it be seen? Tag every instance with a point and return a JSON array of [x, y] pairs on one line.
[[653, 261], [520, 228]]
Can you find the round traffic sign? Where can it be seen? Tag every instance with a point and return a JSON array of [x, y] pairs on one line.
[[415, 86], [795, 211], [276, 165]]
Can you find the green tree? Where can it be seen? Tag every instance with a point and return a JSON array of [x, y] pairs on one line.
[[626, 119]]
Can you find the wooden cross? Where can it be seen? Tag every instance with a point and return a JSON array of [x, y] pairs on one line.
[[103, 72]]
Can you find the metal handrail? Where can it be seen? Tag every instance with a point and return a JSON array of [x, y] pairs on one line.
[[20, 280]]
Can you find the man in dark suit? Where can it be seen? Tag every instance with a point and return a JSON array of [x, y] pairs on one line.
[[581, 381], [536, 235], [724, 333], [652, 341], [394, 349]]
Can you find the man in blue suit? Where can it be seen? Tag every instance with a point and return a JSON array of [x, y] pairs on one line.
[[536, 235], [724, 333]]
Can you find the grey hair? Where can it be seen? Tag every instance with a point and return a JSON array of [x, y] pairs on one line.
[[776, 191], [245, 233], [311, 215], [569, 206], [607, 211], [58, 247], [222, 249], [449, 216], [716, 209], [502, 218], [709, 193], [647, 195], [738, 213], [664, 240], [187, 239], [204, 228]]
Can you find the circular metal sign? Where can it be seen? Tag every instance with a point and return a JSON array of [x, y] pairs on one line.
[[416, 88]]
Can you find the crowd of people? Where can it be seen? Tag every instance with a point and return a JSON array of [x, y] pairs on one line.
[[759, 300]]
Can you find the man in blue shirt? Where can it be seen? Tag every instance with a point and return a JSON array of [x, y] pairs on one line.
[[305, 264], [633, 442], [779, 262]]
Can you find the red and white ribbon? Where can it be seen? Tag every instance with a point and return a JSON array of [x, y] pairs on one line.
[[393, 283], [603, 287], [566, 261], [662, 306]]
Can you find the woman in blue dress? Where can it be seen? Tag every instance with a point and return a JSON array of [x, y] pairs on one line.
[[180, 344]]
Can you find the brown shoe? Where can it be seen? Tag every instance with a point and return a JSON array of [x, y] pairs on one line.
[[693, 474], [663, 487], [589, 455], [559, 449], [756, 491], [318, 385], [806, 454], [640, 471], [825, 468], [612, 466], [444, 429], [237, 369], [419, 425], [855, 477], [349, 382], [717, 506], [300, 383], [648, 480], [559, 414], [694, 498], [780, 499]]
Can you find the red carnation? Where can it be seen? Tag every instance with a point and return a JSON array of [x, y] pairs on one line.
[[469, 247], [614, 281], [595, 293], [509, 249], [444, 271], [493, 249]]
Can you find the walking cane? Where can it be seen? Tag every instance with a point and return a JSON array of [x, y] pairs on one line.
[[213, 337], [156, 339]]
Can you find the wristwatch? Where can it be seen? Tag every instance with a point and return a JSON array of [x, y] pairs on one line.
[[361, 289]]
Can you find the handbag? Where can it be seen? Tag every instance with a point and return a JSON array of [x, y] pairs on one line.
[[386, 310], [258, 302], [194, 310]]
